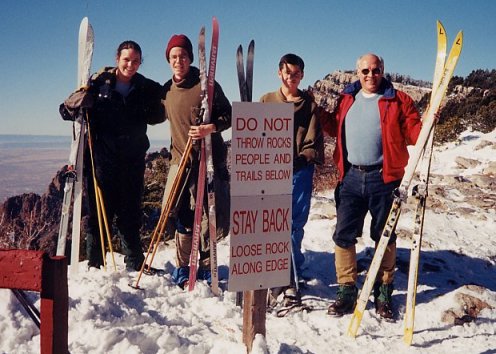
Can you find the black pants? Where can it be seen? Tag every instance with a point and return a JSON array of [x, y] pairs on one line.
[[121, 182]]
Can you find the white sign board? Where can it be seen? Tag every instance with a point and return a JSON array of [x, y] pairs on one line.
[[262, 148], [260, 248], [261, 188]]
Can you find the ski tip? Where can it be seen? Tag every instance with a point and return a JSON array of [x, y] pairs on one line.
[[440, 27], [84, 25], [459, 39]]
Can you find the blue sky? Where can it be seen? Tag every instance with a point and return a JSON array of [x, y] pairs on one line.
[[39, 43]]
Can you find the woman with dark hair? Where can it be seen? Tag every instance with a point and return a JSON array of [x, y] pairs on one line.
[[119, 103]]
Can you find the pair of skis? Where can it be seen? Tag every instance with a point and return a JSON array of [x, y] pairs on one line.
[[420, 191], [206, 168], [245, 78], [422, 151], [245, 82], [73, 188]]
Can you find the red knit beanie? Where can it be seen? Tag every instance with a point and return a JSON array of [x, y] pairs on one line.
[[179, 40]]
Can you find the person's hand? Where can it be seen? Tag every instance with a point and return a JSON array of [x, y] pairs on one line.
[[197, 132], [437, 115]]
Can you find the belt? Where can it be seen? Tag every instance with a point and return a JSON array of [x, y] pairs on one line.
[[366, 168]]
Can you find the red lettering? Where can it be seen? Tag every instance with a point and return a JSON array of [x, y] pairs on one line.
[[246, 250], [276, 124], [277, 247], [246, 123], [276, 264], [275, 220]]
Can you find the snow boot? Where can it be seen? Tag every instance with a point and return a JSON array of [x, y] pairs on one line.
[[345, 301], [383, 301]]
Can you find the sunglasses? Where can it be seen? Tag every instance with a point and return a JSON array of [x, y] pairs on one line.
[[375, 71]]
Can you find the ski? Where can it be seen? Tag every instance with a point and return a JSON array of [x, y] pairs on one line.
[[74, 176], [245, 82], [212, 215], [402, 190], [206, 169], [420, 192]]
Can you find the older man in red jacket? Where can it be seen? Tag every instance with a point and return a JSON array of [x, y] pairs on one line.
[[373, 124]]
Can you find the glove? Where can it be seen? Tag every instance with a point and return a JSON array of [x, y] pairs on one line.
[[300, 162]]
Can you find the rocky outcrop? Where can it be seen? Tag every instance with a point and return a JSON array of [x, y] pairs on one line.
[[30, 221], [326, 91], [470, 300]]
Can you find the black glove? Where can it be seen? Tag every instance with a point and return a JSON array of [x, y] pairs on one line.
[[300, 162]]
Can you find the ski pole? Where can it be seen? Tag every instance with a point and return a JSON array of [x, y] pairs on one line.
[[100, 206], [31, 310], [164, 215]]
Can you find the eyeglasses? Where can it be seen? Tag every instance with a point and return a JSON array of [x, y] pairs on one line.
[[181, 58], [375, 72]]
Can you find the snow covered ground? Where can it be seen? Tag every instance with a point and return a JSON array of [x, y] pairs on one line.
[[459, 248]]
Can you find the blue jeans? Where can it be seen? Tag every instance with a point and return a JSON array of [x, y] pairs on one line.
[[302, 195], [361, 192]]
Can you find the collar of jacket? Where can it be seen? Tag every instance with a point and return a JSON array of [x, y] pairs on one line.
[[386, 90], [192, 79]]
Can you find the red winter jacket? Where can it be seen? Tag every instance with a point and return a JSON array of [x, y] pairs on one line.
[[400, 124]]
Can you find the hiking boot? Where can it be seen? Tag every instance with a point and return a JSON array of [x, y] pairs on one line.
[[134, 263], [345, 301], [204, 274], [291, 297], [96, 265], [180, 277], [383, 301], [272, 295]]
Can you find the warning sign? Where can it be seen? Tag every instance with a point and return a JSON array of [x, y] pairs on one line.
[[261, 187], [262, 148]]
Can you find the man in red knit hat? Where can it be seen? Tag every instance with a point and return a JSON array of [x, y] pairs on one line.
[[182, 98]]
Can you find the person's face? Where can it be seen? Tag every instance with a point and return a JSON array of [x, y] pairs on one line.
[[370, 73], [179, 62], [128, 63], [291, 76]]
